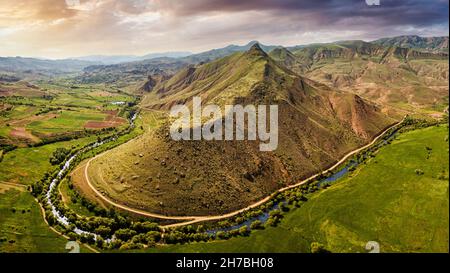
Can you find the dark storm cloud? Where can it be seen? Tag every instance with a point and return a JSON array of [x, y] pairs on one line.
[[389, 12]]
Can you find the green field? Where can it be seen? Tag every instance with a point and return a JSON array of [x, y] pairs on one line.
[[26, 165], [66, 121], [383, 201], [22, 226]]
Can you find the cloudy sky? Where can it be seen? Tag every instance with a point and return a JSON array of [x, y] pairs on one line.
[[68, 28]]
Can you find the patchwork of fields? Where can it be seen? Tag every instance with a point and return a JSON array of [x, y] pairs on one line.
[[30, 114]]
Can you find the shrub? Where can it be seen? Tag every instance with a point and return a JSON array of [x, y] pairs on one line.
[[275, 213], [257, 224], [124, 234], [153, 236], [131, 246], [222, 235], [243, 231], [271, 222]]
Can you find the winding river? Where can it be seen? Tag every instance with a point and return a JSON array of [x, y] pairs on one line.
[[56, 213]]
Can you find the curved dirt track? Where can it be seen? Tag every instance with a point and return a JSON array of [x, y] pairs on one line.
[[196, 219]]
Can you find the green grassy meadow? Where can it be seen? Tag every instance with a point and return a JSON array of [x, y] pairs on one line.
[[26, 165], [22, 226], [66, 121], [384, 201]]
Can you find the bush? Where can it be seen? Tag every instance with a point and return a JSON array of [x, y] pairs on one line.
[[222, 235], [243, 231], [234, 232], [154, 236], [257, 224], [271, 222], [139, 239], [103, 231], [124, 234], [131, 246], [275, 213], [116, 244]]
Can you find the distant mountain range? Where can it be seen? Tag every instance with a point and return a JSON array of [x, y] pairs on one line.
[[115, 59], [416, 42], [143, 66], [32, 67]]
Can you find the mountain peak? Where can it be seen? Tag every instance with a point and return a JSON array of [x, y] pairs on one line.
[[251, 43], [256, 50]]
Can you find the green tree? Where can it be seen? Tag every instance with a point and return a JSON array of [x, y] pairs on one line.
[[124, 234], [103, 231], [59, 155]]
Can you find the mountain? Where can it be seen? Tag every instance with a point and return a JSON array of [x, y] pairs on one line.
[[225, 51], [172, 54], [399, 79], [32, 67], [136, 71], [317, 125], [131, 72], [433, 44], [106, 60], [285, 57], [115, 59]]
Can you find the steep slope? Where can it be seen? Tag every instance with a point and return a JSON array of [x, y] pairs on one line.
[[317, 125], [286, 58]]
